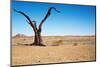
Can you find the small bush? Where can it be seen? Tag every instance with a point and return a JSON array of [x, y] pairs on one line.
[[75, 44], [24, 39], [18, 44], [59, 42]]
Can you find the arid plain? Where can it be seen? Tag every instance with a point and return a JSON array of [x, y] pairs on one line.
[[58, 49]]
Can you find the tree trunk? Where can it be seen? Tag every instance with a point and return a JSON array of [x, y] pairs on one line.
[[38, 39]]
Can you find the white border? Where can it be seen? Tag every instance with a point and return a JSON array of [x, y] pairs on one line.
[[4, 33], [88, 2]]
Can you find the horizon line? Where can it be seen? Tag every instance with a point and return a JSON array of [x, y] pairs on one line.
[[57, 35]]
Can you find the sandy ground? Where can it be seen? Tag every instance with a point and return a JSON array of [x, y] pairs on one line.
[[59, 49]]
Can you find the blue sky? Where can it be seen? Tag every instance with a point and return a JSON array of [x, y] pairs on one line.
[[73, 19]]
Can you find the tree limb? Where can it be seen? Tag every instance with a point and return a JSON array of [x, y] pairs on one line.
[[47, 15], [34, 23], [29, 20]]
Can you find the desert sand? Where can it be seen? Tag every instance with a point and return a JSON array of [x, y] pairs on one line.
[[58, 49]]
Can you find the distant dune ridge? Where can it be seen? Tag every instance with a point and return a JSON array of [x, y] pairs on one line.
[[58, 49], [19, 35]]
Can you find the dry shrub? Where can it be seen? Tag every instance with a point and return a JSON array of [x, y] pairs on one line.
[[57, 43], [18, 44], [24, 39], [75, 44]]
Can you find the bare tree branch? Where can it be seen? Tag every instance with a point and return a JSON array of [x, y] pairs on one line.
[[47, 15], [29, 20], [34, 23], [23, 14]]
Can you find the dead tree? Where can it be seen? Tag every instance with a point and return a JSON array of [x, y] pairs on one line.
[[37, 30]]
